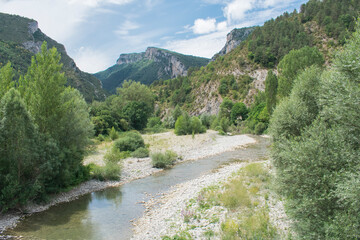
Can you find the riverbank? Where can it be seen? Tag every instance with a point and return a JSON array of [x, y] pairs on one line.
[[203, 209], [187, 147]]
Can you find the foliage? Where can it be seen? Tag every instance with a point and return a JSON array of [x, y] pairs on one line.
[[294, 62], [336, 17], [44, 129], [225, 108], [269, 43], [186, 125], [238, 113], [129, 141], [111, 171], [113, 134], [258, 117], [271, 85], [163, 160], [317, 154], [6, 79], [141, 152]]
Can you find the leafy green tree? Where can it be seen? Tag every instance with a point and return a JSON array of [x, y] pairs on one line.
[[225, 108], [289, 121], [183, 125], [6, 79], [137, 114], [19, 153], [42, 87], [271, 85], [294, 62], [316, 148], [239, 111], [176, 113]]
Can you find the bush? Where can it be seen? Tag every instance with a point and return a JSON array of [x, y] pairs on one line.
[[163, 160], [260, 128], [114, 155], [113, 134], [186, 125], [153, 122], [224, 124], [129, 141], [140, 153], [111, 171]]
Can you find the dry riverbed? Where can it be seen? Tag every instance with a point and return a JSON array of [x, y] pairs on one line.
[[188, 147], [233, 198]]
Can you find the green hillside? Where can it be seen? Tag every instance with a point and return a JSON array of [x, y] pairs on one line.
[[15, 33], [148, 68]]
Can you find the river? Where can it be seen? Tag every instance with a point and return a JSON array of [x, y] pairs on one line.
[[107, 214]]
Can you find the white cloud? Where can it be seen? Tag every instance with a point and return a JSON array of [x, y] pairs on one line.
[[236, 10], [92, 61], [59, 19], [202, 26], [126, 27]]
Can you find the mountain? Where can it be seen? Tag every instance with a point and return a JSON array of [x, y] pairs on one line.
[[240, 74], [148, 66], [21, 38], [233, 39]]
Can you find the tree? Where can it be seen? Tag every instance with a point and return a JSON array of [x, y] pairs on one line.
[[238, 112], [6, 79], [271, 85], [294, 62], [176, 113], [41, 89], [19, 153], [137, 114], [225, 108]]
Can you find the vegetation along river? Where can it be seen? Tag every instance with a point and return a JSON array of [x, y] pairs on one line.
[[108, 214]]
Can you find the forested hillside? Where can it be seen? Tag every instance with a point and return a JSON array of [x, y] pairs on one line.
[[240, 75], [20, 39]]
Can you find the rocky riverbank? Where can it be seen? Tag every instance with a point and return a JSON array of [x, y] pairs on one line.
[[188, 147], [184, 210]]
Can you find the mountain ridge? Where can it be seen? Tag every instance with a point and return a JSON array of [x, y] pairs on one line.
[[149, 66], [20, 32]]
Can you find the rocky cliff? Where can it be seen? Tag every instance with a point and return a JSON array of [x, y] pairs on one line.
[[21, 38], [148, 66], [233, 39]]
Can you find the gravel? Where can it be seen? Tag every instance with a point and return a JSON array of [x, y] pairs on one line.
[[187, 147]]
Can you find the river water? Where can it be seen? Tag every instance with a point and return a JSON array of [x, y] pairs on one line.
[[107, 214]]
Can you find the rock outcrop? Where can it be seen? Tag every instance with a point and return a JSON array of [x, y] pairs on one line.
[[233, 39], [148, 66]]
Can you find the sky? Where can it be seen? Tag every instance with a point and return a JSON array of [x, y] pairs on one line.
[[96, 32]]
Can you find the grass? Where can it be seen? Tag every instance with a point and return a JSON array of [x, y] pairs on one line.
[[241, 203]]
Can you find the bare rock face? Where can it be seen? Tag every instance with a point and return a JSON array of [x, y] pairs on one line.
[[173, 66], [233, 39], [130, 58]]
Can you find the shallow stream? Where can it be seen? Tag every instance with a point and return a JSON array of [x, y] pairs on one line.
[[107, 214]]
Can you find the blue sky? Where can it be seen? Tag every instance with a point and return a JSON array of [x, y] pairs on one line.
[[96, 32]]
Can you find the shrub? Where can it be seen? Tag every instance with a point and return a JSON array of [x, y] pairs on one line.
[[113, 134], [129, 141], [163, 160], [111, 171], [114, 155], [224, 124], [260, 128], [140, 153], [153, 122]]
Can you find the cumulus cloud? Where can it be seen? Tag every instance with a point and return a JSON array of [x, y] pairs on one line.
[[202, 26], [236, 10]]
